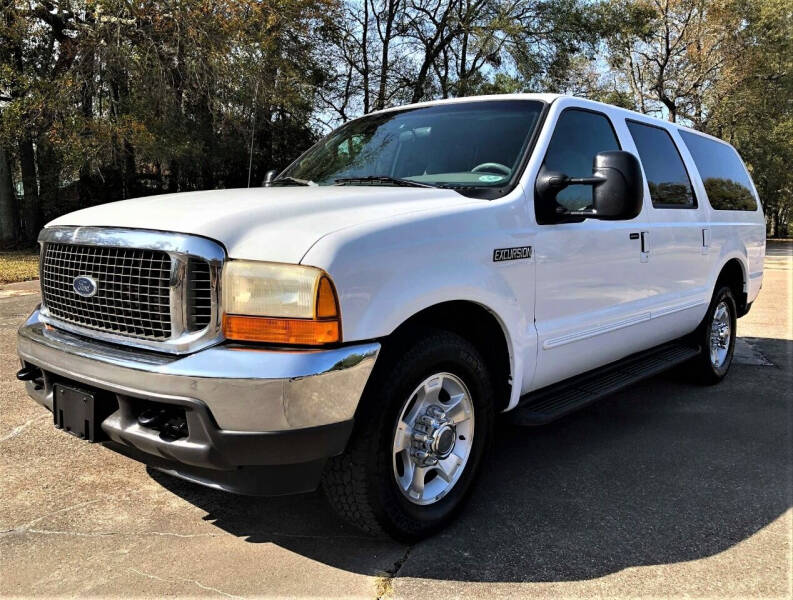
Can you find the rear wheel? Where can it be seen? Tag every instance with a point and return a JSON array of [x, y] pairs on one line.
[[716, 337], [420, 436]]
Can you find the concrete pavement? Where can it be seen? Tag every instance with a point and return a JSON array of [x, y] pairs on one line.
[[662, 490]]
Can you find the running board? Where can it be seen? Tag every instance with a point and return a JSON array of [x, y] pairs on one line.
[[557, 400]]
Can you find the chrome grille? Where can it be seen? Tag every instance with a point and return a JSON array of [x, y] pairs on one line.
[[199, 294], [133, 293]]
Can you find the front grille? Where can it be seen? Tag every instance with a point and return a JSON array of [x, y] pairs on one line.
[[132, 289], [199, 294]]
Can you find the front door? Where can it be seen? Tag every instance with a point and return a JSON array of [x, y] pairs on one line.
[[592, 287]]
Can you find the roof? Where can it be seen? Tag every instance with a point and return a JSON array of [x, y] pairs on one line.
[[549, 98]]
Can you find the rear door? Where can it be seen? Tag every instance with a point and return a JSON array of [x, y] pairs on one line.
[[679, 235], [592, 289], [736, 218]]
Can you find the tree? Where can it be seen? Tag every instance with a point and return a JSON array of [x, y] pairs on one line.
[[751, 106], [389, 52], [8, 206], [722, 66], [671, 53], [108, 99]]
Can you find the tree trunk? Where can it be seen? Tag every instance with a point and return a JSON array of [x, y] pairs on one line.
[[365, 56], [130, 170], [49, 169], [9, 224], [87, 91], [174, 175], [389, 25], [774, 224], [421, 78], [30, 211]]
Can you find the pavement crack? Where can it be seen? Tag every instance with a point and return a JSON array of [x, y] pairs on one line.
[[384, 584], [71, 507], [20, 428], [185, 580], [25, 530], [60, 510], [179, 535]]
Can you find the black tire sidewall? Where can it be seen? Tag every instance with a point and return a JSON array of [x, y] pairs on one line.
[[440, 352], [711, 373]]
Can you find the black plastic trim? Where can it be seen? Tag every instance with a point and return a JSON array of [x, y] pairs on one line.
[[270, 480], [210, 447], [245, 462], [559, 399]]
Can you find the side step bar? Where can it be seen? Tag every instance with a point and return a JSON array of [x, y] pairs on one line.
[[557, 400]]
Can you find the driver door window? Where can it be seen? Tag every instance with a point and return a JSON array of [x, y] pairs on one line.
[[578, 137]]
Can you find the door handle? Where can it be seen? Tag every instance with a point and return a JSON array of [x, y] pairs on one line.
[[645, 254], [646, 241], [705, 240]]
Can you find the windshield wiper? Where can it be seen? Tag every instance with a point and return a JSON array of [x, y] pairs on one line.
[[375, 179], [292, 180]]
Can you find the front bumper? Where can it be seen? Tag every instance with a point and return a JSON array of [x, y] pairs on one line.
[[259, 421]]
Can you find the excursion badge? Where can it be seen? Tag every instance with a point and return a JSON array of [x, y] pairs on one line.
[[502, 254]]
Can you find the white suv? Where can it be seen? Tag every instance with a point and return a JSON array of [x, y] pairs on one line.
[[359, 322]]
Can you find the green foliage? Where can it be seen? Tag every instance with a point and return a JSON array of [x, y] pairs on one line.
[[722, 66], [126, 98]]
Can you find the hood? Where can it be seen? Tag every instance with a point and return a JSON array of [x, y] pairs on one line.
[[277, 224]]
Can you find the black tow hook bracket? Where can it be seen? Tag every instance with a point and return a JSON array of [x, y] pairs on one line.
[[29, 373], [174, 428], [171, 426], [153, 418]]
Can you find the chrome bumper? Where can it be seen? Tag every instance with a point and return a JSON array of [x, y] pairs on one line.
[[244, 389]]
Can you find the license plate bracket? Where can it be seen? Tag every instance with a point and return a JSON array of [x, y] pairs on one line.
[[75, 411]]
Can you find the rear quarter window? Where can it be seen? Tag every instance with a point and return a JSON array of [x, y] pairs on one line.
[[726, 181], [667, 178]]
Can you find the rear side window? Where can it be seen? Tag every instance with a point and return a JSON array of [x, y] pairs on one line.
[[724, 176], [579, 135], [670, 186]]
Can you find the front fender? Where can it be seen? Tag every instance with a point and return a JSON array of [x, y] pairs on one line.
[[386, 273]]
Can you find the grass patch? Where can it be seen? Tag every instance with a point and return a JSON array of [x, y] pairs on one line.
[[18, 266]]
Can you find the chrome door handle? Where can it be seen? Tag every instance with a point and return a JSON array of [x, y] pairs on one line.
[[646, 241], [645, 254]]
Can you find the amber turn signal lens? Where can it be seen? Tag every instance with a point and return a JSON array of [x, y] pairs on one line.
[[304, 332], [326, 300]]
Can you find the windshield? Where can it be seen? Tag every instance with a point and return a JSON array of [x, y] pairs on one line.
[[465, 145]]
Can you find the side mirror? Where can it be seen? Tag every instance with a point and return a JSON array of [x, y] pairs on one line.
[[617, 187], [268, 178]]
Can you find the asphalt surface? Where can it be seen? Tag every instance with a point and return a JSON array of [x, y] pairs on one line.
[[665, 489]]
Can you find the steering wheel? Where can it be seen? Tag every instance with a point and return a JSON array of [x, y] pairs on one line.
[[492, 166]]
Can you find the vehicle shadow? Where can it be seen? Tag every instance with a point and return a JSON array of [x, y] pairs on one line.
[[661, 473]]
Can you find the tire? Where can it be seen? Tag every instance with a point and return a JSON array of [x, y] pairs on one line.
[[366, 485], [713, 362]]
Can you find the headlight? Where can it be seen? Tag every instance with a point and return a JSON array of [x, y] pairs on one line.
[[277, 303]]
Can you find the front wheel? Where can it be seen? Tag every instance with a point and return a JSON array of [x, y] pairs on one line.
[[716, 337], [419, 439]]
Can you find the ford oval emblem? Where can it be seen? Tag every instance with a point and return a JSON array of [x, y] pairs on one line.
[[84, 285]]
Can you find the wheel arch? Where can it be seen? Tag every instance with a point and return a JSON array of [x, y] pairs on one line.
[[473, 322], [733, 273]]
